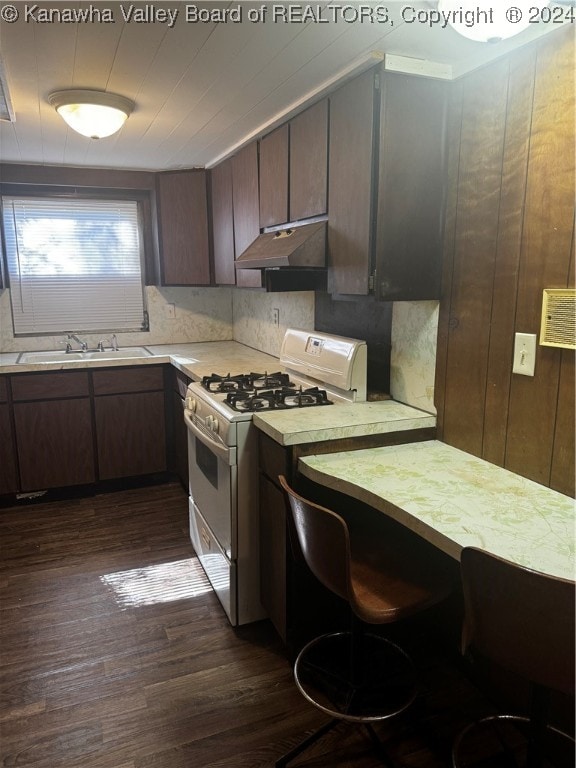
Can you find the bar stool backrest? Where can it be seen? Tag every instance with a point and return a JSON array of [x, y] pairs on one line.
[[324, 541], [519, 618]]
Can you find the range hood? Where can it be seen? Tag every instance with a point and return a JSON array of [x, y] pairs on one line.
[[293, 258]]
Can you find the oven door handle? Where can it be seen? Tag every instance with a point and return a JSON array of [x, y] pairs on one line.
[[222, 451]]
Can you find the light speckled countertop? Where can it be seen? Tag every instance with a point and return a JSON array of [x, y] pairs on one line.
[[196, 359], [310, 425], [454, 499], [286, 427]]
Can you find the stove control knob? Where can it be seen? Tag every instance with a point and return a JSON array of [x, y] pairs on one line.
[[191, 404], [211, 423]]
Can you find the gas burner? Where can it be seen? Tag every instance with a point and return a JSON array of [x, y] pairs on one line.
[[269, 380], [224, 384], [245, 382], [301, 398], [251, 401]]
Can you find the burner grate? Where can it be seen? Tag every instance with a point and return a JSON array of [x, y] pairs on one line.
[[245, 382], [279, 399]]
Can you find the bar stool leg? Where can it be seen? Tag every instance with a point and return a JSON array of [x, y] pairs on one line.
[[538, 720], [299, 748], [379, 747]]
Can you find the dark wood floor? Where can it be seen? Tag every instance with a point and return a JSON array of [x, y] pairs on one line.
[[115, 654]]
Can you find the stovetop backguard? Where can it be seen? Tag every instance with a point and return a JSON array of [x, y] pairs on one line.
[[335, 362]]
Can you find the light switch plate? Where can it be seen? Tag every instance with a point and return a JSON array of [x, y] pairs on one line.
[[524, 354]]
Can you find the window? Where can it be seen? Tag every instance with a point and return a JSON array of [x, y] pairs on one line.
[[74, 264]]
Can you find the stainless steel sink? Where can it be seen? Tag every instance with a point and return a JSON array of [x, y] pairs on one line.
[[68, 357]]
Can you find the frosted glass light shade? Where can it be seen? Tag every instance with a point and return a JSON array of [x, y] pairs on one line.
[[488, 20], [94, 114]]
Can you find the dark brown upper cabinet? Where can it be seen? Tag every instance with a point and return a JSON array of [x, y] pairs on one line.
[[274, 177], [412, 188], [183, 228], [246, 209], [309, 162], [294, 168], [223, 224], [387, 185], [350, 190]]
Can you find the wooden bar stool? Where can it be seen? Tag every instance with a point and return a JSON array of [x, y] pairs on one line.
[[358, 676], [524, 621]]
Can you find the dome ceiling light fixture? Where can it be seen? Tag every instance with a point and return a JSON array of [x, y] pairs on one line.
[[490, 21], [95, 114]]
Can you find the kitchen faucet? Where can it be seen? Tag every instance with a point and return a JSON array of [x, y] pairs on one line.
[[73, 337]]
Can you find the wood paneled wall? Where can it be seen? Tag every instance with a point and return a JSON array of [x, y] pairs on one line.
[[509, 235]]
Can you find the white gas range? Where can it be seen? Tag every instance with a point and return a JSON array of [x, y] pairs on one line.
[[315, 370]]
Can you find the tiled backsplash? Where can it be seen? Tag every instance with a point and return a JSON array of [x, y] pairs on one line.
[[413, 357], [200, 314], [253, 313], [248, 316]]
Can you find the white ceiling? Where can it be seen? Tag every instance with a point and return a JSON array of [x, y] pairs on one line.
[[201, 89]]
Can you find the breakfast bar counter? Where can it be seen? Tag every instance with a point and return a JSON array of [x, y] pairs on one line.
[[345, 420], [454, 500]]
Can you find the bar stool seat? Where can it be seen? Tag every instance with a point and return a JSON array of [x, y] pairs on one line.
[[359, 676], [524, 621]]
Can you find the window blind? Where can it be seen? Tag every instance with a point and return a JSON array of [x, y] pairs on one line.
[[74, 264]]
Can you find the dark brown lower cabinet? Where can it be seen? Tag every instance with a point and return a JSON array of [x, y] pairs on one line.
[[273, 554], [55, 444], [8, 473], [178, 441], [130, 419], [130, 434], [69, 428]]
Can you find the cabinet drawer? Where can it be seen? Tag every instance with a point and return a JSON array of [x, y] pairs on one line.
[[49, 386], [273, 458], [3, 389], [138, 379]]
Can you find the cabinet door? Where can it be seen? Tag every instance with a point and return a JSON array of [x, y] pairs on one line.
[[130, 434], [309, 162], [8, 471], [55, 445], [273, 565], [178, 438], [183, 228], [350, 191], [274, 178], [412, 188], [222, 224], [179, 448], [246, 209]]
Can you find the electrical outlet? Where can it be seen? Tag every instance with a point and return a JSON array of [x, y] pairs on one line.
[[524, 354], [276, 316]]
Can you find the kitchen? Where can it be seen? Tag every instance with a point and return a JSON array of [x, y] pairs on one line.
[[454, 356]]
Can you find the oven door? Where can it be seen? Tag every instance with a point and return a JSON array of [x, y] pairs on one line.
[[212, 484]]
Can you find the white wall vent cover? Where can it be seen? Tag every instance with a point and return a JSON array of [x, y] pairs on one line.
[[558, 328]]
